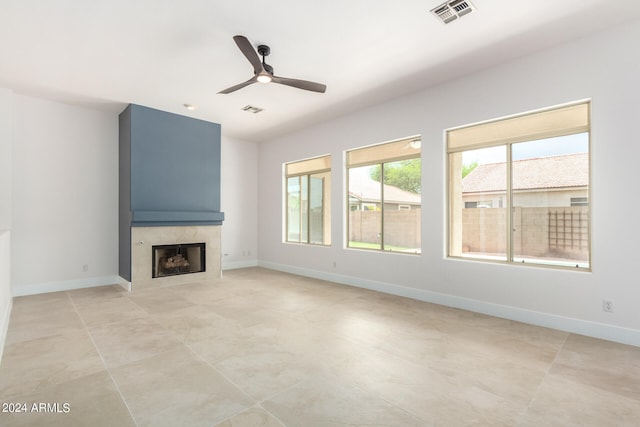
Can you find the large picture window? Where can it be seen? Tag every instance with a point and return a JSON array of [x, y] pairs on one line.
[[519, 189], [308, 201], [383, 193]]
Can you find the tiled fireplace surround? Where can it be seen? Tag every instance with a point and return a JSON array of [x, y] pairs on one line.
[[144, 238]]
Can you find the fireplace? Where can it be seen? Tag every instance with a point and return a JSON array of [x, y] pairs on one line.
[[183, 258], [166, 199], [197, 245]]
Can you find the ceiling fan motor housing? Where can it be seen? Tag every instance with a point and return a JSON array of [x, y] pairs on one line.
[[264, 50]]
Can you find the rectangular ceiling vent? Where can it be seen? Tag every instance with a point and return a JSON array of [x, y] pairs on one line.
[[452, 10], [252, 109]]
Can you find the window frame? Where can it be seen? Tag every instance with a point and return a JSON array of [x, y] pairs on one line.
[[356, 158], [503, 139]]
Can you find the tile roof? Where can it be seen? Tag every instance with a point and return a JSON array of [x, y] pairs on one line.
[[366, 189], [571, 170]]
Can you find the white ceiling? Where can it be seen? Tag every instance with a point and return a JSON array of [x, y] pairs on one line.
[[166, 53]]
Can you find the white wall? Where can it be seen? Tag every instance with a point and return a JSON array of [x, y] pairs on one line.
[[239, 203], [65, 196], [597, 67], [6, 143], [6, 299]]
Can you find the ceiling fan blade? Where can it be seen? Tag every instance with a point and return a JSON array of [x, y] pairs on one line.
[[300, 84], [249, 52], [252, 80]]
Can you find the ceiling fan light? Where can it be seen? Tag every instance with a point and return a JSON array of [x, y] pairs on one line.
[[264, 78]]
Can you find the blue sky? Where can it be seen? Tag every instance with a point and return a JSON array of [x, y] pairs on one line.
[[578, 143]]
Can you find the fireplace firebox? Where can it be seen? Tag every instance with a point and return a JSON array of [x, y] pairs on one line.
[[183, 258]]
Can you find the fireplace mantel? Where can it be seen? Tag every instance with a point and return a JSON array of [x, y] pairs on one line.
[[144, 218]]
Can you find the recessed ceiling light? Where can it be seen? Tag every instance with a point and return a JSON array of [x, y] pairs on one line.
[[189, 107]]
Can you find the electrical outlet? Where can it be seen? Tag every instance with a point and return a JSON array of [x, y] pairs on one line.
[[607, 305], [85, 268]]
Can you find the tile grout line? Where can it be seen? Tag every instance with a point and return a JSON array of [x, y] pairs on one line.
[[546, 374], [206, 362], [256, 403], [271, 414], [293, 316], [104, 363]]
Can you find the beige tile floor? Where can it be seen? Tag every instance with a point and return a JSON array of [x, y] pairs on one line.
[[263, 348]]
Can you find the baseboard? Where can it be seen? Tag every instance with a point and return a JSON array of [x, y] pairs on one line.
[[125, 284], [67, 285], [553, 321], [239, 264], [4, 326]]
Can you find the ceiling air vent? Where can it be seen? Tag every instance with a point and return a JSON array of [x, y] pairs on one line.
[[252, 109], [452, 10]]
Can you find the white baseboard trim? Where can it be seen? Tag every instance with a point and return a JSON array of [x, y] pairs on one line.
[[239, 264], [67, 285], [553, 321], [4, 326]]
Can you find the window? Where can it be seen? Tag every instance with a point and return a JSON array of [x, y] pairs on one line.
[[482, 204], [531, 173], [308, 201], [383, 193], [579, 201]]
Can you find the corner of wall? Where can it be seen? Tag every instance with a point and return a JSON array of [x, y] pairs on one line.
[[233, 265], [6, 182], [4, 326], [6, 298], [239, 194]]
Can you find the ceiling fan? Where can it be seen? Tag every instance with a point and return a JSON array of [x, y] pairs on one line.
[[263, 72]]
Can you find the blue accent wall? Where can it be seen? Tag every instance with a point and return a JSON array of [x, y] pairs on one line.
[[175, 162], [169, 173]]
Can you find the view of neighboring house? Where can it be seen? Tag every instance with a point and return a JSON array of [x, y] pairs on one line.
[[551, 208], [548, 181], [365, 195], [401, 215]]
